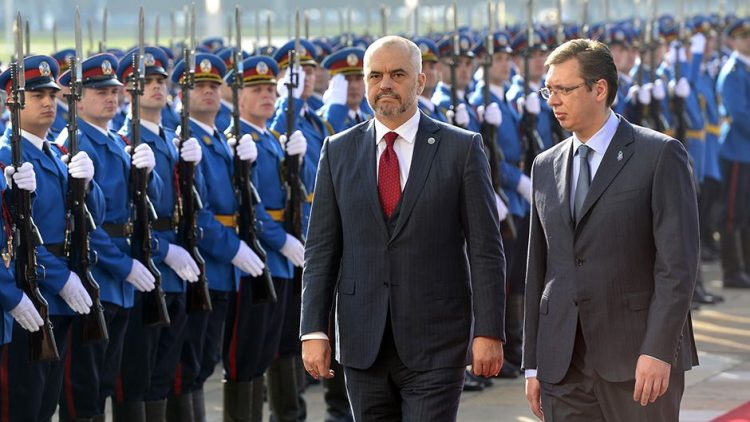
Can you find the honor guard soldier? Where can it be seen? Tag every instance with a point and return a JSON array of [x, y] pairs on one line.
[[463, 115], [169, 116], [151, 354], [253, 331], [431, 69], [211, 44], [314, 128], [515, 185], [285, 372], [619, 40], [63, 58], [224, 118], [733, 85], [117, 272], [37, 385], [529, 101], [703, 47], [224, 253], [322, 50], [346, 89]]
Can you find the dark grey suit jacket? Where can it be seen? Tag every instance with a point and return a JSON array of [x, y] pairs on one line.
[[626, 270], [436, 267]]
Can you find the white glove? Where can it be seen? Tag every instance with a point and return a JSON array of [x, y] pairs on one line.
[[644, 93], [632, 96], [492, 114], [191, 150], [140, 277], [297, 144], [246, 150], [75, 295], [460, 117], [180, 261], [247, 261], [524, 187], [25, 178], [681, 88], [673, 55], [698, 43], [337, 90], [658, 92], [26, 315], [502, 210], [283, 89], [143, 158], [294, 250], [530, 104], [81, 167]]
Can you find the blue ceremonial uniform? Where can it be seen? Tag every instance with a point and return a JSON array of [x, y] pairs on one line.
[[10, 295], [442, 99], [508, 138], [224, 118], [169, 117], [433, 111], [733, 85], [544, 119], [61, 121]]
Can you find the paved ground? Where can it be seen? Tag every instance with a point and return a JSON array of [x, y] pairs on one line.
[[719, 384]]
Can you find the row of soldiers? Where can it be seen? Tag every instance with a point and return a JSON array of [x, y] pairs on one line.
[[158, 373]]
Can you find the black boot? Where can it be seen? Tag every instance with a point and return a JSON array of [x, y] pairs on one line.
[[129, 411], [509, 371], [472, 383], [256, 399], [237, 401], [156, 411], [730, 255], [199, 406], [99, 418], [283, 397], [180, 408], [83, 420], [701, 295]]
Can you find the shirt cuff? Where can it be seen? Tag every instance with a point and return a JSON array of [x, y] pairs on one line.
[[317, 335], [657, 359], [530, 373]]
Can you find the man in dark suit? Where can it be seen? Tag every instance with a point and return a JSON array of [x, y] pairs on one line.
[[613, 255], [404, 239]]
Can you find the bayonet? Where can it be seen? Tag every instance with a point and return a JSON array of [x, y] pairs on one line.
[[560, 35], [349, 35], [172, 30], [156, 31], [54, 35], [383, 20], [103, 42], [90, 27], [27, 33], [307, 25]]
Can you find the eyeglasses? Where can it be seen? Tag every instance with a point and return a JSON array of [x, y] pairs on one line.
[[546, 92]]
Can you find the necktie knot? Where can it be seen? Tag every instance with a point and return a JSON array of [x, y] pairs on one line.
[[583, 151], [390, 139]]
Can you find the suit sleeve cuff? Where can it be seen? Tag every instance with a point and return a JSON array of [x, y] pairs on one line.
[[317, 335], [657, 359], [530, 373]]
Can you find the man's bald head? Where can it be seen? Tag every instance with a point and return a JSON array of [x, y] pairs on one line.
[[394, 41]]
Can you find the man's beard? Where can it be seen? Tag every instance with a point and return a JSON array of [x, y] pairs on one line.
[[390, 110]]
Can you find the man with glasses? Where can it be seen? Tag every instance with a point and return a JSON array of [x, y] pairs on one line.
[[613, 254]]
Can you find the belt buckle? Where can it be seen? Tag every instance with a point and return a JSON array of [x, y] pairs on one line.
[[128, 229]]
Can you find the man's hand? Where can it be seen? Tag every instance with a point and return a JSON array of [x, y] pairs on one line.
[[534, 397], [316, 356], [651, 379], [488, 356]]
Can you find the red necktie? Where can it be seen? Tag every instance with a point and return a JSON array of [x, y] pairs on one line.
[[389, 177]]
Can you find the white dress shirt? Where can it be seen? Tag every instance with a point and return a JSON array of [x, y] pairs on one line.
[[403, 146], [205, 127], [404, 149], [151, 127], [35, 140]]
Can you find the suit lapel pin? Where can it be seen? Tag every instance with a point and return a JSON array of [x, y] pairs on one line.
[[619, 155], [431, 141]]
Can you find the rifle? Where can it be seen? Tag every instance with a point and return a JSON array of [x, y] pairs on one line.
[[295, 192], [638, 112], [494, 152], [155, 312], [93, 324], [530, 138], [25, 235], [455, 56], [262, 287], [678, 104], [657, 119], [189, 202]]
